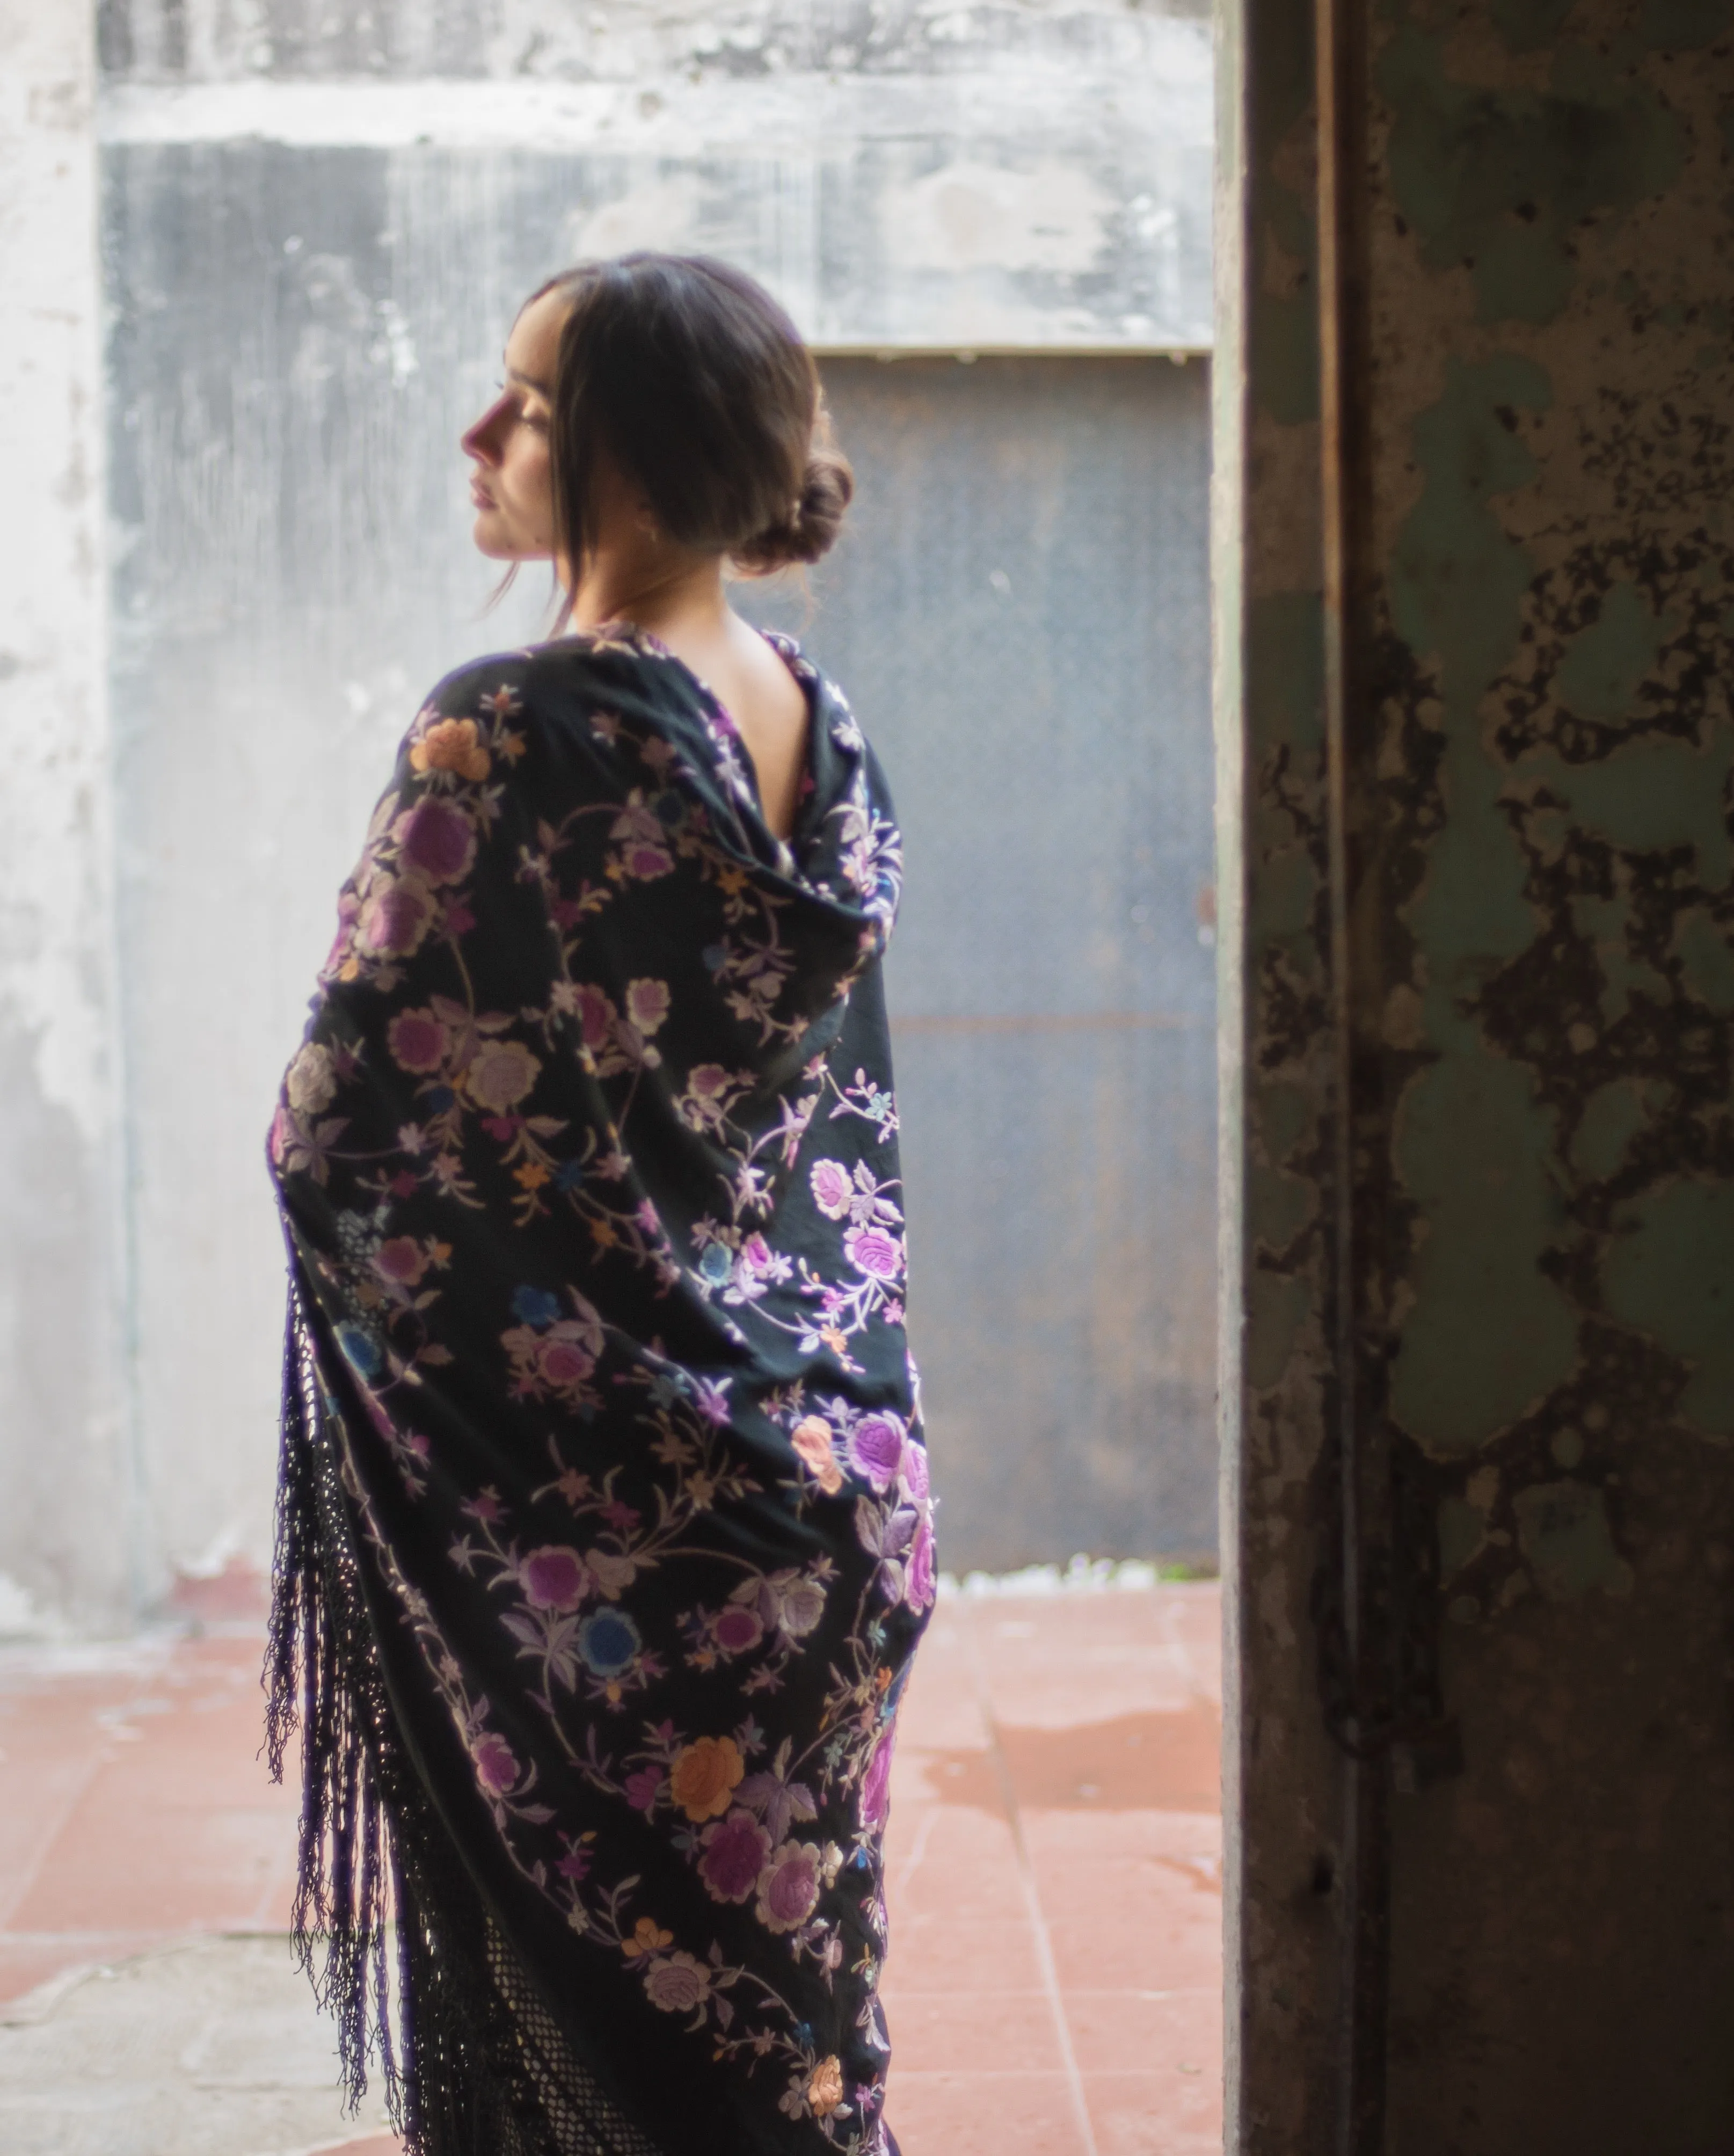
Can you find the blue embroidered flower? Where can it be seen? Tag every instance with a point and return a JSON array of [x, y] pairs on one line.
[[535, 1305], [717, 1263], [608, 1642], [361, 1350]]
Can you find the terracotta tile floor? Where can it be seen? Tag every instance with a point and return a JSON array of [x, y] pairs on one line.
[[1055, 1982]]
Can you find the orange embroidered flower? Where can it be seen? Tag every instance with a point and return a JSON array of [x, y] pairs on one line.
[[824, 2087], [452, 745], [531, 1176], [811, 1437], [705, 1776], [648, 1938]]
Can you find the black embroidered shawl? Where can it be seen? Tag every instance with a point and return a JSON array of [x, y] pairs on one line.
[[604, 1536]]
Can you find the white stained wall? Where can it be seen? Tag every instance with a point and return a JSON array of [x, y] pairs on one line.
[[66, 1487], [317, 223]]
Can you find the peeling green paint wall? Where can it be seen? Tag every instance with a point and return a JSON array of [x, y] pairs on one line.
[[1552, 402], [1554, 491]]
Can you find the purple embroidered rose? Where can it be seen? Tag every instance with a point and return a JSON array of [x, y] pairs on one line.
[[918, 1583], [913, 1468], [436, 840], [737, 1629], [496, 1765], [677, 1983], [554, 1579], [417, 1040], [872, 1251], [563, 1361], [397, 914], [595, 1015], [876, 1449], [876, 1782], [735, 1849], [832, 1189], [788, 1887], [642, 1787]]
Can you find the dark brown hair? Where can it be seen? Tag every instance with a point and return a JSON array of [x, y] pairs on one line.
[[690, 376]]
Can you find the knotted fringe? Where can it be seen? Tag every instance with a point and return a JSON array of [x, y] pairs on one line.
[[472, 2063]]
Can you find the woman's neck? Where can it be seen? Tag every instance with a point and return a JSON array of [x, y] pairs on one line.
[[673, 595]]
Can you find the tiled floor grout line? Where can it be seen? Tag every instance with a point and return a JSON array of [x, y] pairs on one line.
[[1031, 1898]]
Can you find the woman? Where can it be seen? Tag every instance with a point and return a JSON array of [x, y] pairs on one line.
[[604, 1535]]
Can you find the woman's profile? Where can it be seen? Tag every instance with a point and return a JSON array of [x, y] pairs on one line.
[[604, 1536]]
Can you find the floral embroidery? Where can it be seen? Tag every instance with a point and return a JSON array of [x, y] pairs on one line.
[[589, 1155]]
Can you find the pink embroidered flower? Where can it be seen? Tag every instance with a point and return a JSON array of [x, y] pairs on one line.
[[914, 1471], [436, 840], [872, 1251], [641, 1787], [918, 1583], [875, 1446], [496, 1766], [677, 1983], [832, 1189], [596, 1015], [500, 1073], [876, 1782], [788, 1887], [282, 1133], [735, 1849], [417, 1040], [563, 1363], [396, 914], [403, 1259], [574, 1864], [647, 1003], [554, 1577], [736, 1629], [756, 1255]]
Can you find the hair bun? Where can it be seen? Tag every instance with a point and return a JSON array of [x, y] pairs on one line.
[[827, 485]]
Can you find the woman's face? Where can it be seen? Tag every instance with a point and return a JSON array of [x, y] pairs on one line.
[[509, 485]]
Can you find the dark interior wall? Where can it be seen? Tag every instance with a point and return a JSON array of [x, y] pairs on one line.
[[1543, 1181]]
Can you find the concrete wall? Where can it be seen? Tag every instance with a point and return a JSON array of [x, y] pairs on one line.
[[1031, 176], [1542, 1170], [65, 1520], [316, 225]]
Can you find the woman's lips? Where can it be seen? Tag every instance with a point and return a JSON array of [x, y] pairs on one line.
[[480, 494]]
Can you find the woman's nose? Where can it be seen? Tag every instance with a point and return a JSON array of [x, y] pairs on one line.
[[482, 438]]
